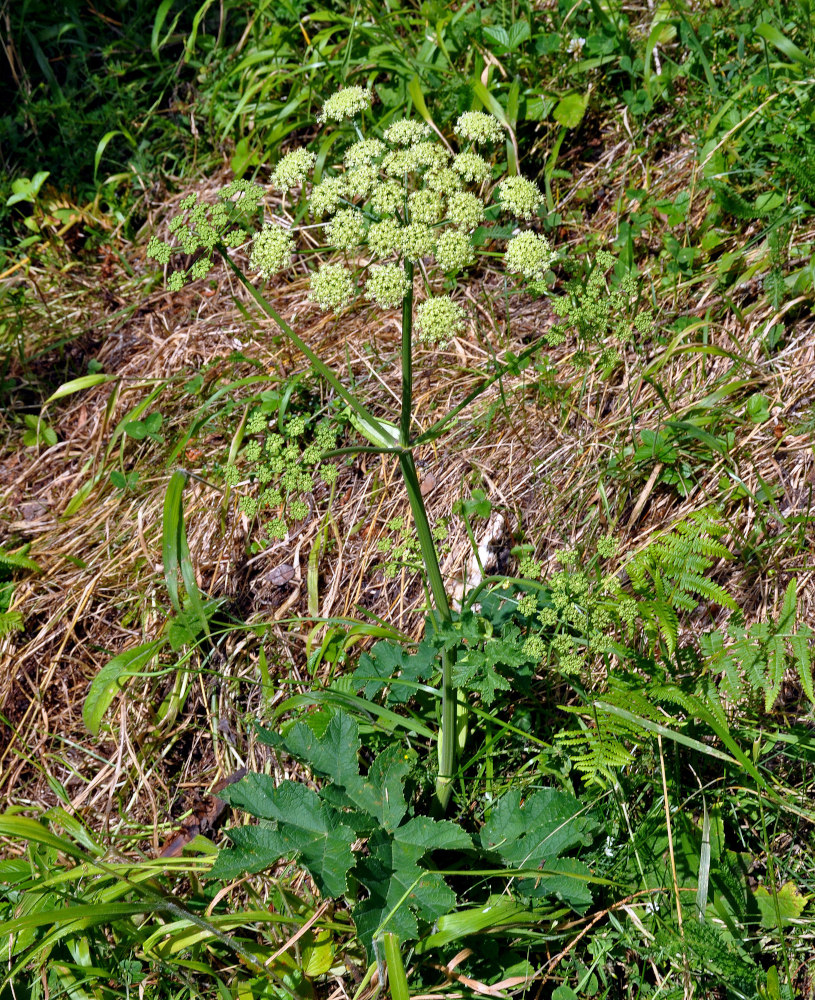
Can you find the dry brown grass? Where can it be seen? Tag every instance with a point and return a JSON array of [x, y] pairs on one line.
[[101, 589]]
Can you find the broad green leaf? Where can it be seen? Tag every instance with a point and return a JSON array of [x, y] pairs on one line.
[[388, 663], [334, 755], [570, 110], [397, 885], [791, 903], [304, 827], [534, 834], [518, 33], [111, 678], [498, 36], [317, 950]]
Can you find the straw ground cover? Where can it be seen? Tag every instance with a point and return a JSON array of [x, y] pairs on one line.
[[715, 409]]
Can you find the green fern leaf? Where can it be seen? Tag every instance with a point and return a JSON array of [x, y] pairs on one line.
[[18, 560], [10, 621]]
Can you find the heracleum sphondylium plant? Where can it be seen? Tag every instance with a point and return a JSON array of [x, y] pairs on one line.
[[406, 204]]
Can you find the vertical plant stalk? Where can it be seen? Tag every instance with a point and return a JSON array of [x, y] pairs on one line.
[[447, 731]]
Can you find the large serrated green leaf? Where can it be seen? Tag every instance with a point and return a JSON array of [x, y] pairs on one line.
[[534, 834], [397, 885], [304, 827], [334, 755]]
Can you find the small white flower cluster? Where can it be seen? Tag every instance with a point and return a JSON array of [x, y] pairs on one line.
[[438, 320], [406, 132], [529, 254], [519, 196], [272, 250], [293, 169], [346, 229], [387, 285], [347, 103], [479, 127], [331, 286], [404, 196]]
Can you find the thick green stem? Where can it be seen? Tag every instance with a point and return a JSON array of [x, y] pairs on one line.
[[407, 359], [447, 733]]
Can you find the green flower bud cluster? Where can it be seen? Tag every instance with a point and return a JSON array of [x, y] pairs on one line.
[[519, 196], [583, 612], [285, 467], [603, 313], [403, 548], [454, 251], [472, 167], [204, 228], [406, 133]]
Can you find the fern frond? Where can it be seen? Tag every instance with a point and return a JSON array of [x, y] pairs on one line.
[[18, 560], [662, 617], [10, 621], [735, 204], [692, 583], [800, 169], [755, 660], [676, 564], [599, 750]]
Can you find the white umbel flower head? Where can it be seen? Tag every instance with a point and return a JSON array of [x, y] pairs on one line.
[[479, 127], [416, 241], [530, 254], [388, 197], [445, 181], [465, 210], [406, 132], [362, 152], [272, 250], [331, 286], [454, 251], [472, 167], [519, 196], [387, 285], [385, 238], [293, 169], [427, 155], [327, 196], [360, 181], [346, 229], [425, 206], [438, 320], [346, 103]]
